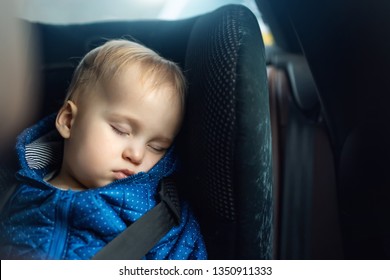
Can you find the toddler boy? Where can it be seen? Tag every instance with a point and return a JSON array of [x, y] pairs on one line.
[[93, 169]]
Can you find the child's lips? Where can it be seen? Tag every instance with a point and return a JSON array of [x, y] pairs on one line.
[[123, 173]]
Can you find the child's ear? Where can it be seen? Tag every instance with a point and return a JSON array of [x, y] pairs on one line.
[[65, 118]]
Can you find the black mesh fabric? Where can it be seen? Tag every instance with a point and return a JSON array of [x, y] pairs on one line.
[[227, 130], [213, 121]]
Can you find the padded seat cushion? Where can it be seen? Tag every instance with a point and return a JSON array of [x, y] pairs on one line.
[[228, 137]]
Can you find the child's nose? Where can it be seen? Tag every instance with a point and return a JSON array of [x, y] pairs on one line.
[[134, 153]]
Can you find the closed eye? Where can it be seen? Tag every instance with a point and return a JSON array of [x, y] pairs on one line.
[[158, 149], [119, 131]]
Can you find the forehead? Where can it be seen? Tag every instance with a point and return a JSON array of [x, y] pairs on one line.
[[136, 82], [128, 94]]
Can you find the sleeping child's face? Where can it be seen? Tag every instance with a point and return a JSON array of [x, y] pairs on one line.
[[118, 129]]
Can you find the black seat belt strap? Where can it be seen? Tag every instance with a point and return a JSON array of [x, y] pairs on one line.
[[143, 234]]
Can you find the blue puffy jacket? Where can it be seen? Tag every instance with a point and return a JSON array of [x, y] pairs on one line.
[[44, 222]]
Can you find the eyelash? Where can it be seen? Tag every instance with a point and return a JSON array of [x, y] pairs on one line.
[[158, 150], [119, 132]]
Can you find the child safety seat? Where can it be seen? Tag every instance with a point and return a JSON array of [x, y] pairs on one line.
[[226, 136]]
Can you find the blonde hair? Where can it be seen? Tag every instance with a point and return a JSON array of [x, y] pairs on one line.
[[109, 59]]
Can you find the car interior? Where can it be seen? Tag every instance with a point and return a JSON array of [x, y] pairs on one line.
[[333, 195], [285, 147]]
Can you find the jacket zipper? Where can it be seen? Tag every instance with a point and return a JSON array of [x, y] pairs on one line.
[[60, 233]]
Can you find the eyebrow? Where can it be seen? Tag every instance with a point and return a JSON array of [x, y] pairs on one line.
[[127, 119], [164, 139]]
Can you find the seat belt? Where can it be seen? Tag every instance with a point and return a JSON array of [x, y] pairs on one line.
[[141, 236]]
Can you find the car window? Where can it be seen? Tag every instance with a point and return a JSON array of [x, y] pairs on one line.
[[82, 11]]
